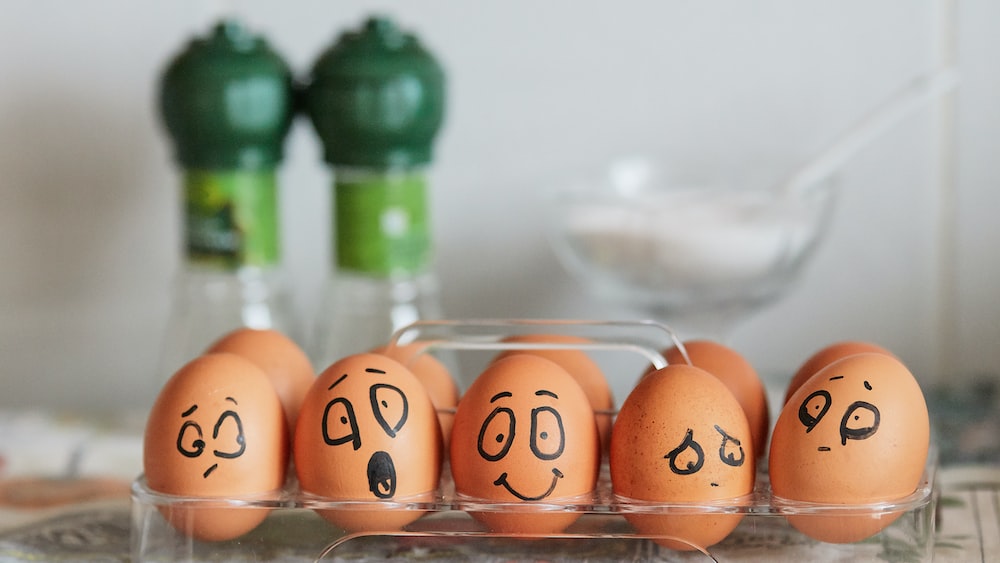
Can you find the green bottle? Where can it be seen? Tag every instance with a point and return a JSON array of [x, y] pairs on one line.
[[376, 99], [226, 101]]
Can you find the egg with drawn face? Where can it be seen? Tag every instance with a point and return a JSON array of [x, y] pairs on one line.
[[217, 429], [525, 436], [682, 438], [857, 432], [367, 431]]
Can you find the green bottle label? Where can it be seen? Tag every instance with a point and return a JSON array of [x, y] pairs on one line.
[[381, 224], [230, 218]]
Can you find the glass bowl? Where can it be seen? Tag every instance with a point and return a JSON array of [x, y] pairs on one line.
[[698, 242]]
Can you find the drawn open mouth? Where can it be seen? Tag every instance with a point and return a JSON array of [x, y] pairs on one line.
[[381, 475], [502, 481]]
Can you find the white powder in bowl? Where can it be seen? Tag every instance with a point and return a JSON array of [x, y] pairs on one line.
[[697, 239]]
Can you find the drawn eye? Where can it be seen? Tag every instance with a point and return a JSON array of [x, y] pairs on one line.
[[547, 436], [688, 457], [813, 408], [860, 421], [390, 407], [339, 424], [229, 431], [496, 434], [189, 439], [730, 448]]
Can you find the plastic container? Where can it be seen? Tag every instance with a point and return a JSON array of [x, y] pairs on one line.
[[226, 103], [376, 100], [293, 531]]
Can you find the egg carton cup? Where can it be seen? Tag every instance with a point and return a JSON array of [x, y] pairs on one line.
[[444, 529]]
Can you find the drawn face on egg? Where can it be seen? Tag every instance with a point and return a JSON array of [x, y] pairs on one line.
[[367, 431], [217, 429], [382, 414], [225, 440], [682, 436], [856, 432], [546, 438], [213, 429], [851, 417], [524, 431], [689, 457]]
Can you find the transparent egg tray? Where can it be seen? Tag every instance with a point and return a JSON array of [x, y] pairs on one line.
[[445, 530]]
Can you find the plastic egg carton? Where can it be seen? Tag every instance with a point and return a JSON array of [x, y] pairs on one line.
[[293, 530]]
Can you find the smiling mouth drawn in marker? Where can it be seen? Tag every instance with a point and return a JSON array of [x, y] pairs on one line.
[[502, 481]]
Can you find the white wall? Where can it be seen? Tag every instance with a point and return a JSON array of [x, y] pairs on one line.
[[539, 92]]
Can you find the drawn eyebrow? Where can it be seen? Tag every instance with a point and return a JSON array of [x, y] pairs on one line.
[[541, 392], [232, 399], [836, 377], [868, 386], [501, 395], [334, 384], [189, 411], [373, 370]]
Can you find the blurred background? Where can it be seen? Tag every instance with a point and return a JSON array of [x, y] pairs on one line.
[[539, 94]]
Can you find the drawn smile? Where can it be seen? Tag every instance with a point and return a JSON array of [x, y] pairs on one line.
[[502, 480]]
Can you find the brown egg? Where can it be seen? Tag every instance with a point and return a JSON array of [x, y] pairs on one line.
[[434, 376], [282, 360], [855, 433], [217, 429], [585, 370], [681, 437], [525, 433], [827, 356], [367, 431], [739, 377]]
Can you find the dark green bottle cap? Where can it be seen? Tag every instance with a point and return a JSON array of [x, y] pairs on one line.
[[376, 98], [226, 101]]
